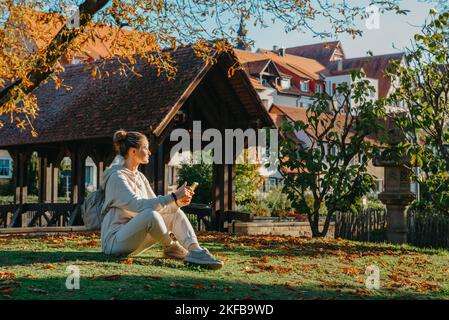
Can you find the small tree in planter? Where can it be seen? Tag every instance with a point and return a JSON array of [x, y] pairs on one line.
[[329, 170]]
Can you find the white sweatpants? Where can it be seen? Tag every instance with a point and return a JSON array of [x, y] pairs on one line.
[[150, 227]]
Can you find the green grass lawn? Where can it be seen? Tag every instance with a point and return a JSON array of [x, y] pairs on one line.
[[264, 267]]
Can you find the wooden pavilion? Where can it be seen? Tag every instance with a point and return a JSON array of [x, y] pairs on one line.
[[80, 122]]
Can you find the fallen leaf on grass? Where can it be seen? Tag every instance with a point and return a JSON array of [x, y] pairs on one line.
[[227, 289], [199, 286], [11, 281], [173, 285], [280, 269], [36, 290], [92, 243], [351, 271], [127, 261], [7, 275], [7, 289], [48, 266], [250, 270], [426, 286]]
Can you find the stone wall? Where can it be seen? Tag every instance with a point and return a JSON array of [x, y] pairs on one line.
[[295, 229]]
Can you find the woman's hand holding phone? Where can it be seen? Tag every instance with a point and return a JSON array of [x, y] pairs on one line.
[[184, 194]]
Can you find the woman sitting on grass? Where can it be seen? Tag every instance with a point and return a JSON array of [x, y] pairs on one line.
[[136, 219]]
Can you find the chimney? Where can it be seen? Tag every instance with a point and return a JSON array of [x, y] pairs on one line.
[[282, 52], [275, 48], [340, 64]]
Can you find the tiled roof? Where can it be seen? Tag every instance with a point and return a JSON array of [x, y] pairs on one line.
[[322, 52], [300, 114], [256, 84], [248, 56], [374, 67], [96, 108], [306, 67], [107, 41]]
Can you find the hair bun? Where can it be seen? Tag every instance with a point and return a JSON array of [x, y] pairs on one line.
[[120, 135]]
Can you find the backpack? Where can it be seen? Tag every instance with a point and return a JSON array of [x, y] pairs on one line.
[[91, 212]]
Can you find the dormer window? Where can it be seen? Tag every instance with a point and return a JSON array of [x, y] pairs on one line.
[[265, 83], [285, 83], [305, 86]]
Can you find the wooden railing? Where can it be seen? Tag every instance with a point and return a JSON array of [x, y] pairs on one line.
[[67, 214], [36, 215]]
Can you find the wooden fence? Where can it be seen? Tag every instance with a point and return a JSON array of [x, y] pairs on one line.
[[368, 225], [425, 229], [428, 229]]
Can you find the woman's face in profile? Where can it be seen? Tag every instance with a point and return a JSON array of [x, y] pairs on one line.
[[142, 155]]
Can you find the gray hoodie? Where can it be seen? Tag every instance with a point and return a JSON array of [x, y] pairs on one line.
[[126, 193]]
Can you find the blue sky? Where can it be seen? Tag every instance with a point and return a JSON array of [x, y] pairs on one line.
[[394, 33]]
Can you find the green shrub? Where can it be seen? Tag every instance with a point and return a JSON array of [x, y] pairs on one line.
[[278, 202], [201, 173], [257, 208], [7, 188]]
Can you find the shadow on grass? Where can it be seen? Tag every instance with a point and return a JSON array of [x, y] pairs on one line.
[[126, 287]]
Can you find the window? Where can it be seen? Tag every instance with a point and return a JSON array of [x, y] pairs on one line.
[[5, 168], [379, 185], [333, 151], [318, 88], [362, 158], [285, 83], [89, 178], [305, 86]]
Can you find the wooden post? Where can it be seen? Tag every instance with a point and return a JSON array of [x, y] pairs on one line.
[[55, 176], [78, 157], [100, 169], [16, 173], [23, 176], [81, 175], [231, 187], [73, 174], [159, 169], [43, 160], [48, 182]]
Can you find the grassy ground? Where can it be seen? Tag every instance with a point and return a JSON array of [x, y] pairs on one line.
[[264, 267]]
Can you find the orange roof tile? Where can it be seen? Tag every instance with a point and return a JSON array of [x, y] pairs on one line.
[[311, 68]]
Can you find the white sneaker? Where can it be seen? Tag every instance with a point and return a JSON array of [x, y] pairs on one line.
[[175, 251], [204, 258]]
